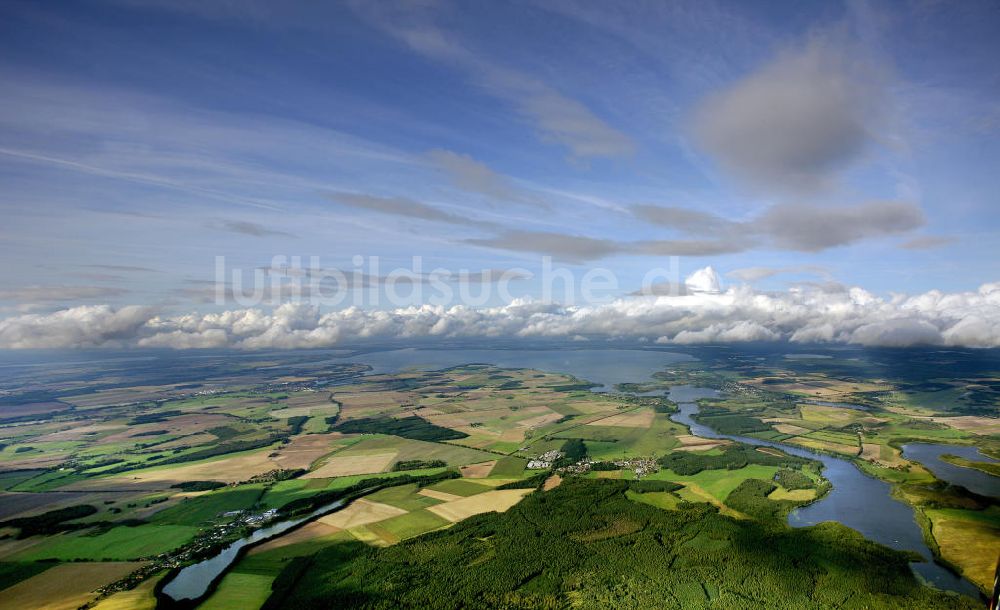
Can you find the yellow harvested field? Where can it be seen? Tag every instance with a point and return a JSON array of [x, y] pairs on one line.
[[352, 464], [540, 420], [361, 512], [367, 536], [328, 409], [226, 470], [67, 586], [139, 598], [814, 443], [871, 452], [310, 531], [438, 495], [796, 495], [305, 449], [194, 423], [971, 546], [689, 442], [38, 461], [362, 404], [821, 413], [498, 500], [478, 471], [640, 418], [593, 406], [791, 429], [188, 441], [75, 433], [971, 423], [552, 482], [12, 546], [818, 387]]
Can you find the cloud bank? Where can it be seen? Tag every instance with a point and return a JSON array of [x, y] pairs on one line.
[[855, 316]]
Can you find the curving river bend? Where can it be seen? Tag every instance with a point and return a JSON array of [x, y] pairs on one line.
[[856, 500]]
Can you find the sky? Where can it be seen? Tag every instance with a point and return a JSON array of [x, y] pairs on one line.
[[809, 171]]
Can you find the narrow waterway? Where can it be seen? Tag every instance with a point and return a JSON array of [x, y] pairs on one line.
[[192, 582], [858, 501], [974, 480]]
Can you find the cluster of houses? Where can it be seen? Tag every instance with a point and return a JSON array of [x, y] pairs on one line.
[[545, 461], [740, 389], [250, 519], [641, 466]]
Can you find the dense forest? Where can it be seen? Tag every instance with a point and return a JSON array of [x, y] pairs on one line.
[[587, 544], [412, 427]]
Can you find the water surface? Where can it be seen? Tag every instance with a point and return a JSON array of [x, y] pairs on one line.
[[193, 581], [974, 480], [858, 501]]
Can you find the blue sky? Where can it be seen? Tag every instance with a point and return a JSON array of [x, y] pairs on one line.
[[836, 144]]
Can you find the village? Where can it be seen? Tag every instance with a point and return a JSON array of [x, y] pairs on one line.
[[641, 466]]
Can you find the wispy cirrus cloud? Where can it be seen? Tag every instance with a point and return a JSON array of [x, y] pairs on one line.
[[246, 227], [34, 294], [405, 207], [474, 176], [927, 242], [557, 118], [123, 268]]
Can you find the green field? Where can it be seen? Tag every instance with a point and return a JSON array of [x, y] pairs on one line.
[[409, 525], [120, 543], [660, 499], [720, 483], [209, 507], [405, 497], [508, 467], [239, 590], [460, 487]]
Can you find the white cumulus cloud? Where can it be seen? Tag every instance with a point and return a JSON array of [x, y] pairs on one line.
[[702, 315]]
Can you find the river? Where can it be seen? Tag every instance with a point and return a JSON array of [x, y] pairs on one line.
[[193, 581], [858, 501]]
